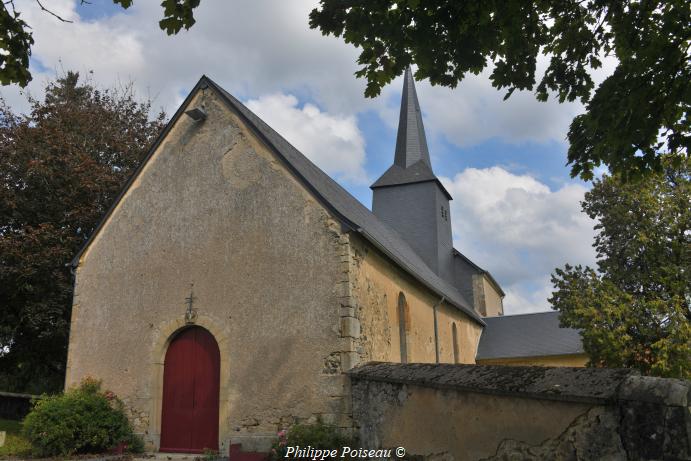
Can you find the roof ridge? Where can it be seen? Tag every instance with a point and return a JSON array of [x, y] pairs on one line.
[[524, 314]]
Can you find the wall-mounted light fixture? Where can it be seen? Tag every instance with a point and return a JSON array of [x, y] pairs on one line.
[[197, 114]]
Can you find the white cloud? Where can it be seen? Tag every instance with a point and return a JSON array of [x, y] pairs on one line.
[[257, 51], [112, 47], [518, 229], [333, 142], [475, 111], [267, 47], [253, 49], [521, 299]]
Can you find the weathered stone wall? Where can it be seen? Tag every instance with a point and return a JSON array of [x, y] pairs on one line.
[[376, 284], [493, 303], [462, 412], [486, 299], [214, 211]]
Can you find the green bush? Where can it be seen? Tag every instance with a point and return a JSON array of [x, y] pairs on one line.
[[319, 436], [82, 420]]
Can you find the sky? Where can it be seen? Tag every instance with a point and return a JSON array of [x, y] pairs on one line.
[[515, 210]]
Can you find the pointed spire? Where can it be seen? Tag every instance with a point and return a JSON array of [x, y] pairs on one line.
[[411, 161], [411, 144]]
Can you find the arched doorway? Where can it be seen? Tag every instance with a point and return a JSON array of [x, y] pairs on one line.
[[191, 376]]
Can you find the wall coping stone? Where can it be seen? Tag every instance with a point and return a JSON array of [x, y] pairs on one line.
[[587, 385], [18, 395], [664, 391]]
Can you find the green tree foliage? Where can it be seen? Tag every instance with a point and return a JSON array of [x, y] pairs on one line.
[[82, 420], [634, 311], [61, 167], [16, 41], [638, 113], [176, 14], [16, 37]]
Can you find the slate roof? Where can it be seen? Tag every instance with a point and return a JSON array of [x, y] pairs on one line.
[[347, 208], [395, 175], [411, 143], [527, 335]]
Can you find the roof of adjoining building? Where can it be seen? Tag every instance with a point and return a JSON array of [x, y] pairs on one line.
[[347, 208], [527, 335]]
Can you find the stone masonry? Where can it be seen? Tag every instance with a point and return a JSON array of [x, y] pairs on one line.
[[493, 413]]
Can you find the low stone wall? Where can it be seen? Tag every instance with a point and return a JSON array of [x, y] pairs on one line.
[[15, 406], [474, 412]]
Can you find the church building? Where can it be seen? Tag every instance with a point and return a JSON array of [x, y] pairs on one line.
[[233, 282]]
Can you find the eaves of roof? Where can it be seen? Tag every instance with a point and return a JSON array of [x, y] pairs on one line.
[[417, 173]]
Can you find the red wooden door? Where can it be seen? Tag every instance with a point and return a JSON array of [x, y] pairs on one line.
[[191, 375]]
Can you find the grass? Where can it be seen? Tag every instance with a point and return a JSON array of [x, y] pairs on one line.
[[15, 444]]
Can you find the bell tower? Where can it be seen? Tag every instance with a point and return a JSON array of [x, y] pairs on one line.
[[409, 197]]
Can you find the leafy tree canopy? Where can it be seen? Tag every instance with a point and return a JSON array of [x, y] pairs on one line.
[[638, 113], [635, 310], [61, 167]]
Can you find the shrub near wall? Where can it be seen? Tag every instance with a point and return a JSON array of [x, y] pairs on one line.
[[318, 436], [82, 420]]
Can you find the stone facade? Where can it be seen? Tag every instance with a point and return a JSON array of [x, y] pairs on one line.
[[478, 286], [291, 298], [377, 285], [261, 257], [487, 299]]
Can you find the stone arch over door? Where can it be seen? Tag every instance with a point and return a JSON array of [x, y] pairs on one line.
[[163, 335]]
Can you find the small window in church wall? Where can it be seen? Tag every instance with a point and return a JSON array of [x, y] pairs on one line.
[[403, 327], [454, 337]]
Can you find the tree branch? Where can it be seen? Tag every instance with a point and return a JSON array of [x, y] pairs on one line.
[[43, 8]]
